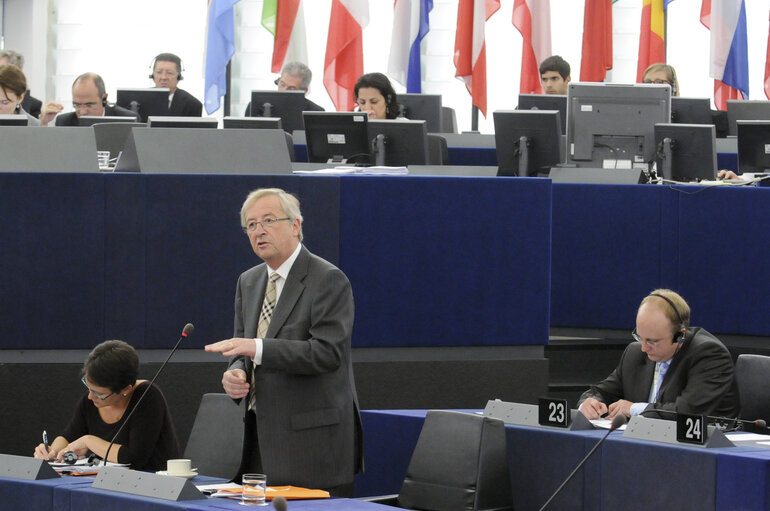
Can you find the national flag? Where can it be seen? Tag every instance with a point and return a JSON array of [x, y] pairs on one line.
[[652, 43], [532, 18], [220, 48], [286, 21], [344, 61], [767, 67], [597, 40], [729, 49], [470, 51], [410, 24]]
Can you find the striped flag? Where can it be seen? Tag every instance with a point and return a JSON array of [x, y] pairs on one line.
[[729, 49], [410, 24], [532, 18], [286, 21], [344, 61], [470, 51], [652, 42], [220, 48], [597, 40]]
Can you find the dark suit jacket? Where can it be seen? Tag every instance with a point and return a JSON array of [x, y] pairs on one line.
[[700, 379], [184, 104], [31, 105], [70, 119], [308, 422]]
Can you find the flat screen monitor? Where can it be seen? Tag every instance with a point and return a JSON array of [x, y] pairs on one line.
[[613, 125], [398, 143], [182, 122], [691, 110], [337, 137], [753, 146], [145, 102], [286, 104], [528, 142], [260, 123], [546, 102], [686, 152], [426, 107], [746, 110], [13, 120], [90, 120]]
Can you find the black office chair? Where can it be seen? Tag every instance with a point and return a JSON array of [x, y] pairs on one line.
[[459, 464], [751, 373], [216, 439], [438, 151], [448, 120]]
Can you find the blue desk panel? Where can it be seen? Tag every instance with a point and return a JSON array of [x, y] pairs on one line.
[[42, 495]]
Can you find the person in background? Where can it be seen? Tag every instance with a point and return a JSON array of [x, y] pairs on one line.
[[376, 96], [294, 76], [89, 98], [554, 75], [671, 367], [167, 72], [147, 441], [662, 73], [31, 105], [13, 88]]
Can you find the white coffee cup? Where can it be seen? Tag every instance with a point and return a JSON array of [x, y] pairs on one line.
[[178, 467]]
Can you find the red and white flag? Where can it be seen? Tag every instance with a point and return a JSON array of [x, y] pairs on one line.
[[285, 19], [767, 67], [532, 18], [470, 51], [344, 61]]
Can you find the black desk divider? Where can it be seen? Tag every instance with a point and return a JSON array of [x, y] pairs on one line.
[[25, 467], [590, 175], [521, 414], [146, 484], [664, 431]]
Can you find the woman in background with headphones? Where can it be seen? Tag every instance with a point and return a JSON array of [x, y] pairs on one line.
[[662, 73], [375, 95], [149, 439], [13, 86]]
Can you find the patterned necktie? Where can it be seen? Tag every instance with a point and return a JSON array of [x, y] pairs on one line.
[[265, 315], [662, 369]]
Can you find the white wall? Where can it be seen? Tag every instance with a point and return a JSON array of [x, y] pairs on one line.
[[117, 38]]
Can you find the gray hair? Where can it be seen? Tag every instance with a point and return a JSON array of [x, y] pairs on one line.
[[96, 79], [14, 57], [300, 70], [289, 204]]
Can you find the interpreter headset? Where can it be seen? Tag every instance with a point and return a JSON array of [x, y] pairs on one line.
[[168, 57], [679, 335]]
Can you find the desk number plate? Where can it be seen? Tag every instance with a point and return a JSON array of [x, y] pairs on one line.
[[691, 429], [553, 412]]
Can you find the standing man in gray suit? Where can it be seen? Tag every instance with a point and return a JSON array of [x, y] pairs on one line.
[[291, 355]]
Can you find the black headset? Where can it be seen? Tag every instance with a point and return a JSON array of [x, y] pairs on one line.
[[180, 68], [679, 336]]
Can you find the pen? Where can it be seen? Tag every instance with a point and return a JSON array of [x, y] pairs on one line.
[[45, 440]]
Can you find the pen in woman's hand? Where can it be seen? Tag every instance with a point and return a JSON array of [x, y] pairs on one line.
[[45, 441]]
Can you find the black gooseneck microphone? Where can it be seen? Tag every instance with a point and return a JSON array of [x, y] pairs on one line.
[[618, 421], [280, 504], [186, 332], [737, 423]]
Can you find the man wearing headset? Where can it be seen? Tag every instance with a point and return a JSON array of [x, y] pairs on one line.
[[294, 76], [167, 72], [671, 367], [89, 98]]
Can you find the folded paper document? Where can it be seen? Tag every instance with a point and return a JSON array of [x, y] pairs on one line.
[[287, 492]]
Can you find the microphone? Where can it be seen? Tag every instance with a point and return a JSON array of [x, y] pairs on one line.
[[737, 423], [280, 504], [186, 332], [618, 421]]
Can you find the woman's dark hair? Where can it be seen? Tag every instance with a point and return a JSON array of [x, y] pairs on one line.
[[12, 79], [112, 364], [380, 82]]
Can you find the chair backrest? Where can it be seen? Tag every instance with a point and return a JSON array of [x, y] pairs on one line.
[[448, 120], [460, 463], [216, 440], [438, 151], [751, 373]]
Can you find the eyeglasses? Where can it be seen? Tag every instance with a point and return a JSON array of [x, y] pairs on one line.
[[639, 339], [89, 105], [658, 82], [284, 86], [92, 391], [266, 223], [6, 102], [164, 72]]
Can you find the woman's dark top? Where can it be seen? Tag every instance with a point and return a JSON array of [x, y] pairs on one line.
[[147, 441]]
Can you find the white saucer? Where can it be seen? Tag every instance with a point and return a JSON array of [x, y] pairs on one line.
[[188, 475]]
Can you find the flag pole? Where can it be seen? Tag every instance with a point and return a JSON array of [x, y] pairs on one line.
[[474, 118], [227, 88]]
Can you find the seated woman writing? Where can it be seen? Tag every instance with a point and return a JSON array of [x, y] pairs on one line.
[[146, 442]]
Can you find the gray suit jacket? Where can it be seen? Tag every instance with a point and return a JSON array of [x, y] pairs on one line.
[[308, 422]]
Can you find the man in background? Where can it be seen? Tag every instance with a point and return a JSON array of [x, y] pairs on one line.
[[167, 72], [294, 76], [555, 75], [30, 105], [89, 98]]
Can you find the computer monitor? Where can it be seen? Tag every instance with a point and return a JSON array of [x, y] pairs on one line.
[[686, 152], [90, 120], [398, 143], [261, 123], [145, 102], [286, 104], [691, 110], [746, 110], [13, 120], [181, 122], [426, 107], [753, 146], [528, 142], [337, 137], [613, 125], [546, 102]]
